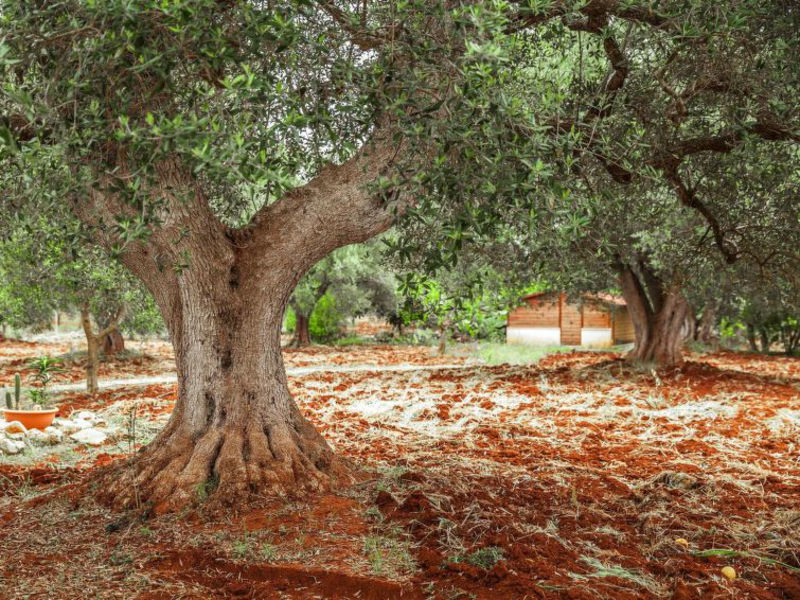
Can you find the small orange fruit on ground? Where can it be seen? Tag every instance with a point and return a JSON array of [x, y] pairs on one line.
[[729, 573]]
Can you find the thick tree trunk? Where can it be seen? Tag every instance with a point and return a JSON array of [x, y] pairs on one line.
[[302, 336], [113, 343], [659, 332], [704, 332], [235, 432], [667, 333], [791, 341]]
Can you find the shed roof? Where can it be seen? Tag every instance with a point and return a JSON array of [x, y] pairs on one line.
[[603, 297]]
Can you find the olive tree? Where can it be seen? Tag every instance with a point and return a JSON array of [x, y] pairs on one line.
[[178, 132]]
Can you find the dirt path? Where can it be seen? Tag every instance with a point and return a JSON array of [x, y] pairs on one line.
[[290, 371]]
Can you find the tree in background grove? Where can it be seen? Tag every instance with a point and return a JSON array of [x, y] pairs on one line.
[[44, 269]]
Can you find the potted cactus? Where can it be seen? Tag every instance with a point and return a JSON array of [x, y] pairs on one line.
[[39, 414]]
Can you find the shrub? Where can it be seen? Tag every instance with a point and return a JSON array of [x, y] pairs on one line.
[[289, 320], [325, 324]]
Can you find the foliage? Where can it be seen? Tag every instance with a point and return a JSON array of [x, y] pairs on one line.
[[764, 312], [326, 321], [470, 300], [484, 558], [290, 320], [673, 153], [356, 282], [46, 265]]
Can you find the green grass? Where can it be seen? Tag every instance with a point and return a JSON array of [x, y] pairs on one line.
[[485, 558], [497, 353], [601, 570], [352, 340], [740, 554], [388, 555]]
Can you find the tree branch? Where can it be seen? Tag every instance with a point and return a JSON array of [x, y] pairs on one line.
[[114, 324], [336, 208], [688, 198], [359, 34]]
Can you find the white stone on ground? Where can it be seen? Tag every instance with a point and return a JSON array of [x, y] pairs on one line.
[[50, 435], [90, 436], [69, 426], [8, 446]]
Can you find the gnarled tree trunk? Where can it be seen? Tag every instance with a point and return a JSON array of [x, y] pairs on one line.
[[303, 312], [660, 318], [766, 341], [751, 337], [92, 352], [235, 427], [236, 433], [704, 332]]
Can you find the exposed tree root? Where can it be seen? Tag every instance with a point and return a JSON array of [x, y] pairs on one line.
[[225, 467]]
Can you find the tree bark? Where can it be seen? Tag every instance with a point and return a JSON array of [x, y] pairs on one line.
[[113, 343], [235, 433], [443, 331], [302, 336], [704, 327], [94, 342], [92, 351], [659, 332], [765, 340], [751, 337]]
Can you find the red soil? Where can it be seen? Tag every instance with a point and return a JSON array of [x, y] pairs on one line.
[[580, 472]]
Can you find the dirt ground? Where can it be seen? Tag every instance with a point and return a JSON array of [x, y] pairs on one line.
[[579, 477]]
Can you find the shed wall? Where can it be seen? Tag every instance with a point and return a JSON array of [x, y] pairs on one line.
[[571, 323], [623, 326]]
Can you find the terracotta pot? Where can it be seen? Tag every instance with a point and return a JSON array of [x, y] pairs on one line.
[[32, 419]]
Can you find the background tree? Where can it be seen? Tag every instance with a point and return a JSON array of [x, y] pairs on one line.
[[705, 117], [354, 278], [656, 135], [45, 268]]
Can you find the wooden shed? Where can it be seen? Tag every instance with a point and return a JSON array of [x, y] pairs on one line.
[[548, 319]]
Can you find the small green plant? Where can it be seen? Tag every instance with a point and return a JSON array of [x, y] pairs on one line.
[[205, 488], [121, 558], [387, 555], [242, 548], [39, 397], [374, 513], [268, 552], [12, 403], [484, 558], [45, 367]]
